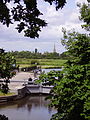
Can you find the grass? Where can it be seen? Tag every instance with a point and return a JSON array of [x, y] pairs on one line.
[[44, 63], [8, 94]]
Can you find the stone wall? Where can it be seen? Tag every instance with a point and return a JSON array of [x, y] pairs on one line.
[[8, 98], [23, 92]]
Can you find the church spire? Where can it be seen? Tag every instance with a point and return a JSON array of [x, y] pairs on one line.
[[54, 50]]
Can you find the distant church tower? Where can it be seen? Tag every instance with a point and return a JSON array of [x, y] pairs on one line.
[[54, 49]]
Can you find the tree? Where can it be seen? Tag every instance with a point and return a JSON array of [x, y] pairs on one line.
[[85, 15], [3, 117], [7, 66], [71, 94], [26, 14], [50, 78]]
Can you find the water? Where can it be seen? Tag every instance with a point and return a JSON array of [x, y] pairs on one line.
[[29, 108], [48, 70]]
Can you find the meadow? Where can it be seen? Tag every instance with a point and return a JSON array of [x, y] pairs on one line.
[[44, 63]]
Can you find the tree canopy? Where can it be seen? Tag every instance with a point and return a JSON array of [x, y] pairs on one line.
[[3, 117], [26, 14], [85, 15], [38, 55], [7, 66], [71, 93]]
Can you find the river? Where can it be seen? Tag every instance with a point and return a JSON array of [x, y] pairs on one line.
[[29, 108], [52, 69]]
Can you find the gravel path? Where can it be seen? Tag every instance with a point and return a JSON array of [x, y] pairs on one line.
[[23, 76]]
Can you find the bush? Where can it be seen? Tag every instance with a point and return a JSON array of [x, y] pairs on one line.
[[34, 62], [3, 117]]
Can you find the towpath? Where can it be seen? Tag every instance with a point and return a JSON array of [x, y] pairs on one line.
[[23, 76]]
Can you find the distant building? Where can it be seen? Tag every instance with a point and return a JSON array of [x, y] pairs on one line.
[[54, 49]]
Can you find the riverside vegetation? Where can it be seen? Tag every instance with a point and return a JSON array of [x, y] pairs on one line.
[[45, 60], [44, 63], [8, 94]]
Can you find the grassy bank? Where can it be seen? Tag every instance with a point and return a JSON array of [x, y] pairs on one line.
[[44, 63], [8, 94]]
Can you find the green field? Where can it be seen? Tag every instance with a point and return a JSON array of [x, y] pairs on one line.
[[44, 63]]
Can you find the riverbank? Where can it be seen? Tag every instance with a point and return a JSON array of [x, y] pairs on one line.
[[8, 94], [6, 99], [15, 86], [19, 89]]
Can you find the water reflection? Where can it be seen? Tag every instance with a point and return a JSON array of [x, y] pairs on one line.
[[29, 108]]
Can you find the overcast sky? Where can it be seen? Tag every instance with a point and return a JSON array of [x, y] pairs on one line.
[[11, 40]]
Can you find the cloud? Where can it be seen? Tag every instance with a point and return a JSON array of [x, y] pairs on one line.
[[10, 39], [74, 17], [81, 1], [29, 46], [67, 18]]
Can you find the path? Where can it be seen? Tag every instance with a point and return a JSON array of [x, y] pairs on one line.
[[13, 86]]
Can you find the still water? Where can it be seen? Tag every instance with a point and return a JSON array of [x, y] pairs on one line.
[[29, 108], [48, 70]]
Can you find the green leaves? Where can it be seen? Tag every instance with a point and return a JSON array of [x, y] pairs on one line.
[[58, 3], [7, 66], [5, 17], [85, 16], [51, 78], [71, 93], [78, 45], [27, 14]]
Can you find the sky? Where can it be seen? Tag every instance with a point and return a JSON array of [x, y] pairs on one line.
[[11, 40]]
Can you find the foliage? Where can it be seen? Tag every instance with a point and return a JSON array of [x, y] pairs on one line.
[[71, 92], [3, 117], [35, 62], [71, 95], [26, 14], [29, 68], [50, 78], [65, 56], [8, 94], [78, 45], [85, 15], [36, 55], [7, 66], [5, 88]]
